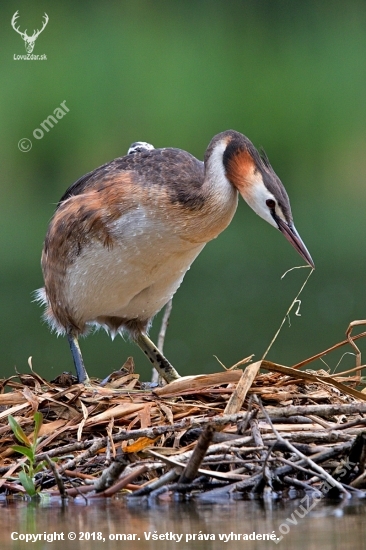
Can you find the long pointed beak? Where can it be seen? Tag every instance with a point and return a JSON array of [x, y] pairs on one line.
[[294, 238]]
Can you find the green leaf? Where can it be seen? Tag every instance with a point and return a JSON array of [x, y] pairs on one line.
[[28, 484], [24, 451], [38, 419], [39, 467], [18, 432]]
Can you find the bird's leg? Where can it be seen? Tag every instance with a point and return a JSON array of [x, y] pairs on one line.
[[81, 373], [162, 365]]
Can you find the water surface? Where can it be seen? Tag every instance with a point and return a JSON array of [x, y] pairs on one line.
[[183, 525]]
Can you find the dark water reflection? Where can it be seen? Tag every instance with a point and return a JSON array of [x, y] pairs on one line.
[[328, 526]]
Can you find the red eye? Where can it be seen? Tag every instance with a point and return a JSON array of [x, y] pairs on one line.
[[271, 203]]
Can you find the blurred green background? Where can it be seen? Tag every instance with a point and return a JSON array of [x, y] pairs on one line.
[[289, 75]]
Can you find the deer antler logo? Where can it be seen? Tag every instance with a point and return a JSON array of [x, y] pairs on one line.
[[28, 40]]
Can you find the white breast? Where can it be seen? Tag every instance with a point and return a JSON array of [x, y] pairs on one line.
[[137, 276]]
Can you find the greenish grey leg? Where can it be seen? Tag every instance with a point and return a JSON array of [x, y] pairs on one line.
[[81, 373], [161, 364]]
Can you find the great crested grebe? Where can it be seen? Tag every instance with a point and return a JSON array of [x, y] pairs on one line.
[[124, 235]]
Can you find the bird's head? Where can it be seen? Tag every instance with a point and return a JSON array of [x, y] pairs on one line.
[[257, 182]]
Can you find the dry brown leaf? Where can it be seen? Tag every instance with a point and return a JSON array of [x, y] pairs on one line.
[[279, 396], [13, 398], [168, 412], [51, 427], [116, 412], [123, 381], [236, 400], [139, 445], [190, 412], [31, 398], [186, 383], [82, 423], [314, 378], [145, 415], [13, 410]]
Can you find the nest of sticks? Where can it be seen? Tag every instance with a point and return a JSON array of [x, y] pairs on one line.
[[260, 429]]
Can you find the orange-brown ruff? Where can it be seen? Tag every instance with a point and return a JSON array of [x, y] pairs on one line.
[[124, 235]]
